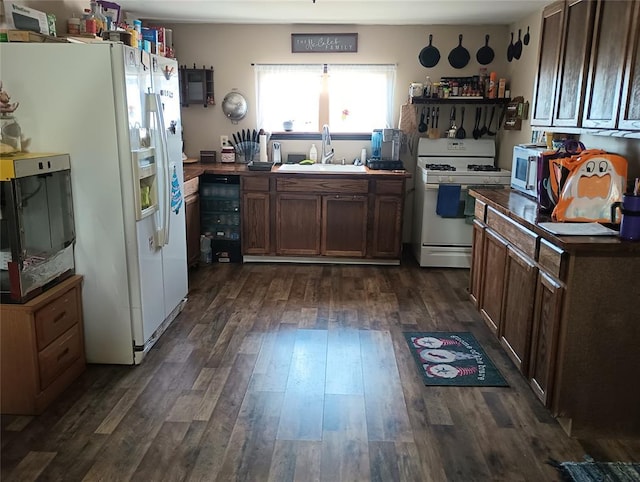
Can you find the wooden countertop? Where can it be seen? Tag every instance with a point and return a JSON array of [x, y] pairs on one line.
[[196, 169], [525, 211]]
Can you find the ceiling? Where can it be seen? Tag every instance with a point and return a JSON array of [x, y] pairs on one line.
[[349, 12]]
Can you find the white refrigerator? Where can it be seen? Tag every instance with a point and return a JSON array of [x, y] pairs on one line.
[[116, 111]]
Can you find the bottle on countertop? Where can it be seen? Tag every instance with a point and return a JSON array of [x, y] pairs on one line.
[[313, 153], [426, 91]]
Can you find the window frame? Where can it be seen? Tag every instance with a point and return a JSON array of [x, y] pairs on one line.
[[324, 102]]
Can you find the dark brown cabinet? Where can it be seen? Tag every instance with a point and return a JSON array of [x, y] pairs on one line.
[[387, 224], [588, 76], [567, 315], [475, 277], [630, 101], [192, 220], [544, 336], [565, 45], [519, 292], [321, 216], [196, 86], [256, 222], [550, 44], [574, 58], [298, 224], [493, 264], [612, 26], [344, 225], [388, 204], [357, 217]]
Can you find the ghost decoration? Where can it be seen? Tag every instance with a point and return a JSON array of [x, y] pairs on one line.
[[596, 181]]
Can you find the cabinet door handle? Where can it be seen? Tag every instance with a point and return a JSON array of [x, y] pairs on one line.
[[59, 317], [64, 352]]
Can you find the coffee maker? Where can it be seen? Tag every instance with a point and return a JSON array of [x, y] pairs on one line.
[[385, 149]]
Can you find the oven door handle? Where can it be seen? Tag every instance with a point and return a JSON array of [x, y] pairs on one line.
[[463, 187]]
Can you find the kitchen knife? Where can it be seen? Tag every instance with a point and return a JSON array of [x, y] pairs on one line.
[[437, 116], [235, 141]]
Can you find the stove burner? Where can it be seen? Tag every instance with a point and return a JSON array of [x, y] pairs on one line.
[[482, 167], [439, 167]]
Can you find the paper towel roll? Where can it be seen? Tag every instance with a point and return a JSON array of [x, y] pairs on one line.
[[263, 148]]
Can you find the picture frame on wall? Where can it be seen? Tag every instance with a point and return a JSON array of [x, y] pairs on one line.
[[324, 42]]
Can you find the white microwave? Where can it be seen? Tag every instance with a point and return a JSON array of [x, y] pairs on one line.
[[524, 169]]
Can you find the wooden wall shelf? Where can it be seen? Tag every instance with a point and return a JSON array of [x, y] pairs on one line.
[[196, 86], [459, 100]]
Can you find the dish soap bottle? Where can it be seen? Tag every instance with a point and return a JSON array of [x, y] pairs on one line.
[[313, 153]]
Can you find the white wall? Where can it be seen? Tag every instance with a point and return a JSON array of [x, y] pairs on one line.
[[231, 49]]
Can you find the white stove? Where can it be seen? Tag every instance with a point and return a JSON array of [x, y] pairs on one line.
[[459, 161], [446, 169]]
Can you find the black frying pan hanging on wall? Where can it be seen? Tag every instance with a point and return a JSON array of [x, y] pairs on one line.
[[517, 47], [429, 56], [459, 56], [485, 54]]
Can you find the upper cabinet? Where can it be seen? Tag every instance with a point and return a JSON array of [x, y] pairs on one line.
[[588, 75], [562, 66], [606, 72], [630, 104], [550, 44], [574, 58]]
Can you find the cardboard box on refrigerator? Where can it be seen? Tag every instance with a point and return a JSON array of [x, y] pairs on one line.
[[20, 17]]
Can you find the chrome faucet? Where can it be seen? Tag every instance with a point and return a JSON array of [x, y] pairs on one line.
[[327, 149]]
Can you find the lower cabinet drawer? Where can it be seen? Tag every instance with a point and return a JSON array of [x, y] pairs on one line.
[[322, 185], [255, 183], [553, 259], [191, 186], [519, 236], [59, 356], [479, 210], [56, 317], [389, 187]]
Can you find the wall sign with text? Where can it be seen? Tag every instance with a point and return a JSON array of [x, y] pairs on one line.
[[324, 42]]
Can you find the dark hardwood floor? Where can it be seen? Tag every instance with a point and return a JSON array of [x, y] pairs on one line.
[[280, 372]]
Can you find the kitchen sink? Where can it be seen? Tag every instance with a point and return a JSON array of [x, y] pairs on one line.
[[323, 168]]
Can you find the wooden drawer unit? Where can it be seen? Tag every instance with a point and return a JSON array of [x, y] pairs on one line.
[[322, 185], [56, 318], [59, 356], [520, 237], [255, 183], [42, 348], [390, 187], [191, 186], [480, 210], [553, 260]]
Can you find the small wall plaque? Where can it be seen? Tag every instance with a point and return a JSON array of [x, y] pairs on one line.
[[324, 42]]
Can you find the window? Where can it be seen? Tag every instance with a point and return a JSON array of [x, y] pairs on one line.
[[350, 98]]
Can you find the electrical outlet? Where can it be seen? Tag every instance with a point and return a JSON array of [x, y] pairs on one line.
[[224, 140]]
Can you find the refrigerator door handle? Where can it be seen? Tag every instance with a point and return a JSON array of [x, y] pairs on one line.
[[154, 105]]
